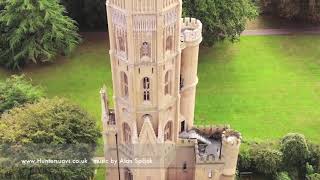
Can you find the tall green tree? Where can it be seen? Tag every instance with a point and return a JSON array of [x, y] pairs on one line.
[[307, 11], [34, 30], [17, 91], [51, 129], [222, 19], [90, 14]]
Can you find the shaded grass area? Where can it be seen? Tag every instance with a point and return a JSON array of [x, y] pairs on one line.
[[264, 87]]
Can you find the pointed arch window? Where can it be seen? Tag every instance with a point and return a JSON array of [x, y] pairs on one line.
[[168, 131], [121, 44], [169, 43], [128, 174], [124, 84], [126, 133], [146, 88], [145, 50], [168, 83]]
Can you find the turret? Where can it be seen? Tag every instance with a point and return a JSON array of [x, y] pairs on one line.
[[191, 37], [231, 141]]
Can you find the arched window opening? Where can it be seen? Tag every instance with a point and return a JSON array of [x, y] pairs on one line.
[[128, 174], [168, 131], [146, 89], [126, 133], [169, 43], [184, 167], [145, 50], [167, 83], [121, 43], [124, 84]]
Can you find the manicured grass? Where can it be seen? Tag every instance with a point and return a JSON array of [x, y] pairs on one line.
[[264, 87]]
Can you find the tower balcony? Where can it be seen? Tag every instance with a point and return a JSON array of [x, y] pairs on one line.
[[191, 31]]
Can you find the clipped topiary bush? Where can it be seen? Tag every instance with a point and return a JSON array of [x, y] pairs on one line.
[[295, 153], [266, 161]]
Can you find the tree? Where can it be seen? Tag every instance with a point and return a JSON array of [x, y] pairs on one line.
[[266, 161], [303, 10], [49, 129], [17, 91], [34, 31], [295, 153], [222, 19], [289, 8], [90, 14]]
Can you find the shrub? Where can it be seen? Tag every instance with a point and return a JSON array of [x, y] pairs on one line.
[[314, 156], [244, 161], [295, 153], [266, 161], [313, 177], [35, 31], [309, 169], [17, 91], [282, 176], [49, 129]]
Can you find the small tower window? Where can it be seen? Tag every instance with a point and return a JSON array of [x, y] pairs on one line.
[[124, 84], [169, 43], [184, 167], [167, 83], [126, 133], [146, 89], [168, 132], [145, 50], [181, 82], [182, 126]]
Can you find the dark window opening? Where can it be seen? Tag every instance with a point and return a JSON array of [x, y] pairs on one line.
[[183, 126]]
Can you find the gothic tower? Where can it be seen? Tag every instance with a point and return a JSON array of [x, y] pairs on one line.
[[154, 57]]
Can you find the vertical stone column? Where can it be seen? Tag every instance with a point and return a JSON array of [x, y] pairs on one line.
[[189, 66], [230, 149]]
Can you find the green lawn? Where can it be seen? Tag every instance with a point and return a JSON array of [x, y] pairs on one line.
[[264, 87]]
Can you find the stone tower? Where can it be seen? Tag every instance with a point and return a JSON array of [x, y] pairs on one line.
[[154, 58]]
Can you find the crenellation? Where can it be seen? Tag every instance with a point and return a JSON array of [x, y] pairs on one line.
[[191, 29]]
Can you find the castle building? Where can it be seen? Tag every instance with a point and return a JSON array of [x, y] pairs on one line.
[[150, 133]]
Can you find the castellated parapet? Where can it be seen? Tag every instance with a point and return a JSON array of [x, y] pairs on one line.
[[191, 30]]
